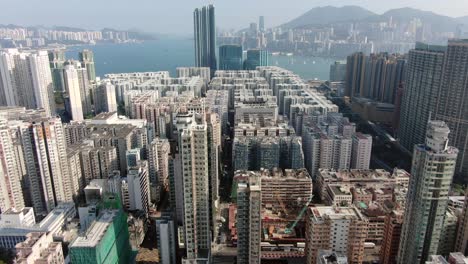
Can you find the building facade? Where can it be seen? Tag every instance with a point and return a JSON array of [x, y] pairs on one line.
[[432, 173]]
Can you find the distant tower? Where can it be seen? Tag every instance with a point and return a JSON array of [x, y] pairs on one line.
[[72, 86], [230, 57], [432, 173], [261, 23], [255, 58], [57, 62], [26, 80], [105, 99], [205, 37], [87, 60]]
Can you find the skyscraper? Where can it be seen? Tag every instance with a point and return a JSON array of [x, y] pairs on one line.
[[432, 172], [205, 37], [57, 62], [452, 104], [11, 193], [42, 82], [423, 79], [87, 60], [72, 87], [255, 58], [355, 70], [249, 203], [193, 148], [230, 57], [261, 23], [26, 80], [42, 149]]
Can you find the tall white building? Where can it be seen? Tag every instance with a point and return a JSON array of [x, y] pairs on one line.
[[136, 188], [362, 148], [46, 161], [194, 155], [431, 176], [105, 99], [42, 82], [26, 80], [72, 87], [40, 148], [11, 193]]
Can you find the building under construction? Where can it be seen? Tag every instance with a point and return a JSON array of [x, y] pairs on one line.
[[285, 197]]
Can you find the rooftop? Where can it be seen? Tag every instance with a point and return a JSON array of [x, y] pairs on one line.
[[96, 231]]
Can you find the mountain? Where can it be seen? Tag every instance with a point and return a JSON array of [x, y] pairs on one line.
[[328, 15], [463, 20], [438, 22]]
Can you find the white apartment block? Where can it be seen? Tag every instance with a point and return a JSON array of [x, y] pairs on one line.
[[362, 148], [72, 86]]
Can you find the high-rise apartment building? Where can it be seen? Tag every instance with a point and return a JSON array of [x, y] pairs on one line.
[[256, 58], [249, 206], [230, 57], [57, 62], [376, 76], [73, 90], [45, 159], [340, 229], [158, 159], [461, 244], [104, 98], [338, 71], [452, 103], [420, 95], [194, 155], [431, 176], [87, 60], [26, 80], [355, 70], [11, 191], [205, 37], [42, 81]]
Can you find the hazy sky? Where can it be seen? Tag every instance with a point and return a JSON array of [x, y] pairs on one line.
[[175, 16]]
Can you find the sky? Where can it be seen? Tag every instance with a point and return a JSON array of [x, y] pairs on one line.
[[175, 16]]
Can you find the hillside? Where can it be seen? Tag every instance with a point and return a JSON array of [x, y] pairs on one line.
[[328, 15]]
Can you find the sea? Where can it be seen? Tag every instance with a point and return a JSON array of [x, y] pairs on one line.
[[169, 53]]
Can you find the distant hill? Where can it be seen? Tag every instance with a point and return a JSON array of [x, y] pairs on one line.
[[437, 22], [328, 15], [463, 20]]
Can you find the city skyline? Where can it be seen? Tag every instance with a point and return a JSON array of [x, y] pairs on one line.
[[176, 21], [234, 157]]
